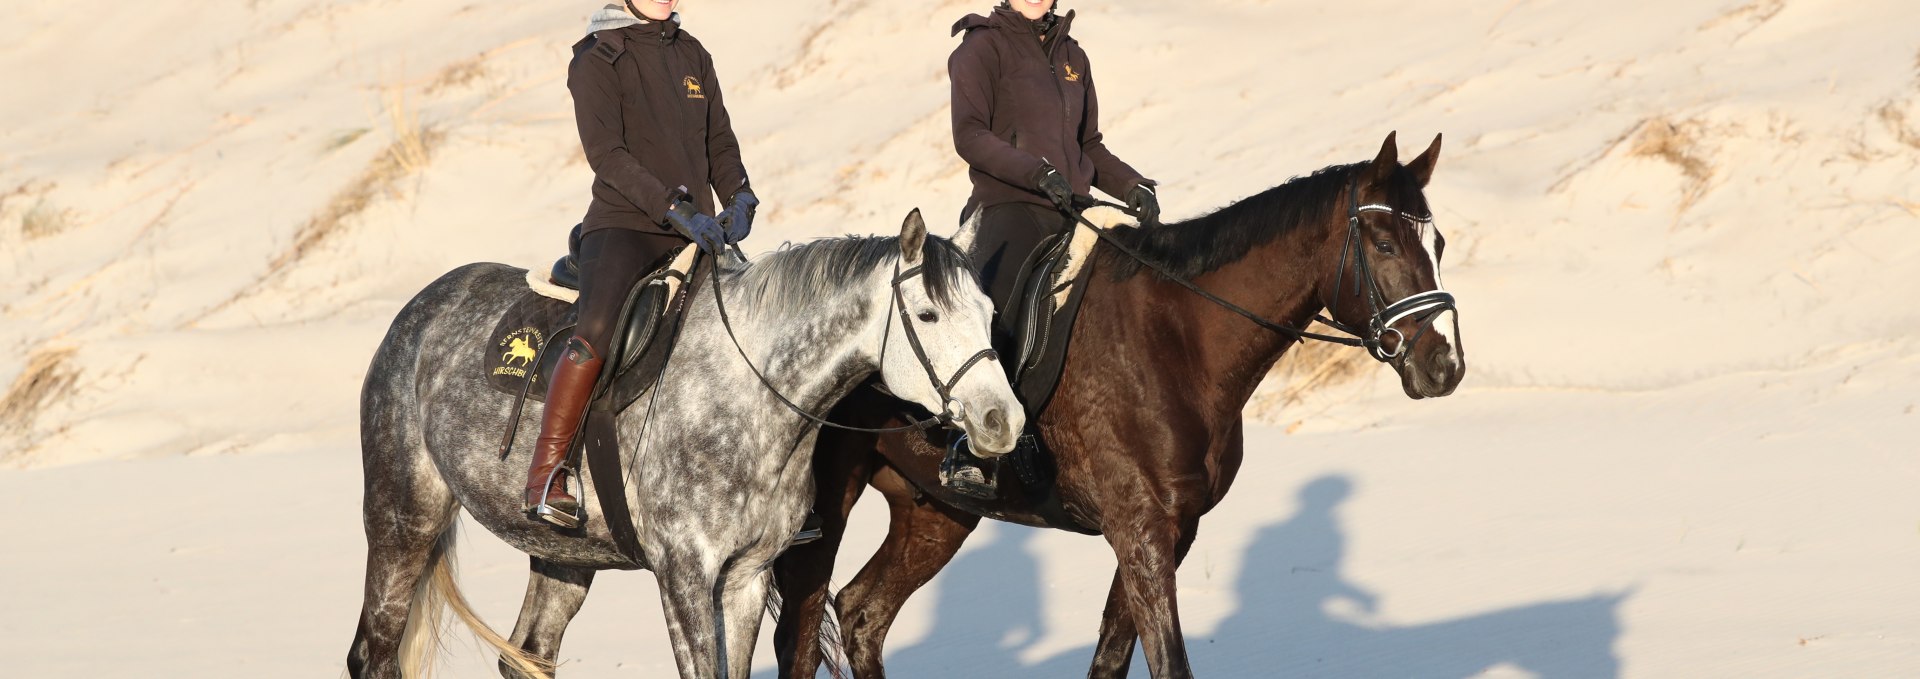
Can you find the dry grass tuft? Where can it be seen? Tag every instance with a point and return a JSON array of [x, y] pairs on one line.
[[1894, 114], [1317, 365], [1752, 14], [43, 220], [410, 139], [1678, 144], [406, 155], [346, 138], [458, 74], [47, 378]]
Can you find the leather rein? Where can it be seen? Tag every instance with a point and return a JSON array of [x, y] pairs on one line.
[[898, 303], [1421, 305]]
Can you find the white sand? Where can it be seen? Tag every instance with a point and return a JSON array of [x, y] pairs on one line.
[[1681, 234]]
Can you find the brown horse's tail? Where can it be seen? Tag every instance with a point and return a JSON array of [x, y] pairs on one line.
[[832, 654], [438, 592]]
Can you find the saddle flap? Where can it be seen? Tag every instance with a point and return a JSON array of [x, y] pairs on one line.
[[1049, 302], [519, 356]]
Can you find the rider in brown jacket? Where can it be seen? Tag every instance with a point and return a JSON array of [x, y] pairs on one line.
[[1026, 120], [660, 144]]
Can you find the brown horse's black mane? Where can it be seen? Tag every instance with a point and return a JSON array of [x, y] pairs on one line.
[[1208, 242]]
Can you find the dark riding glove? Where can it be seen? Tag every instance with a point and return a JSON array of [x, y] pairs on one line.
[[699, 228], [737, 219], [1050, 184], [1144, 204]]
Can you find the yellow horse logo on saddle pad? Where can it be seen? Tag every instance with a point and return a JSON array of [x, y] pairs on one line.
[[521, 345], [693, 88]]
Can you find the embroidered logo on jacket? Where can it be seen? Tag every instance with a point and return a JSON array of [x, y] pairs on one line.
[[1072, 77], [693, 88]]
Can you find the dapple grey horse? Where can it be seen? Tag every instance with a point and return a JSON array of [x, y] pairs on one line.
[[719, 475]]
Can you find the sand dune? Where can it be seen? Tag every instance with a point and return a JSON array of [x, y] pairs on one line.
[[1680, 234]]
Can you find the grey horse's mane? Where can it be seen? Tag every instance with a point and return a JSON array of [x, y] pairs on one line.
[[797, 273]]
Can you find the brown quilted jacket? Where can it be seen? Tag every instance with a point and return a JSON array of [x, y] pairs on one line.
[[652, 122]]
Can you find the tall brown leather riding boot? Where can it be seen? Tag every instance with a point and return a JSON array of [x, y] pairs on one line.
[[568, 393]]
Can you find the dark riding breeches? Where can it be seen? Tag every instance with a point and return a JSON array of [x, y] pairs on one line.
[[1007, 236], [611, 262]]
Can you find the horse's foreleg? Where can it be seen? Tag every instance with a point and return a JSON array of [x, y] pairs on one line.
[[1113, 653], [804, 572], [692, 605], [1149, 555], [921, 539], [554, 596], [744, 603]]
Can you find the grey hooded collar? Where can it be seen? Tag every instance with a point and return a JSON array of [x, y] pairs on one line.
[[616, 16]]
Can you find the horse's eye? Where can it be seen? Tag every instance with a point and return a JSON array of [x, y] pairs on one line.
[[928, 317], [1385, 247]]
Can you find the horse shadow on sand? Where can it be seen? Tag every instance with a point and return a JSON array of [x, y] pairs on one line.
[[1296, 617]]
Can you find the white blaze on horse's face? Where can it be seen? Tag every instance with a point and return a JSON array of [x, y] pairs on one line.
[[953, 331], [1443, 322]]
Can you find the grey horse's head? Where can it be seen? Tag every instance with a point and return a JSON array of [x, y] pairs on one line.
[[951, 317]]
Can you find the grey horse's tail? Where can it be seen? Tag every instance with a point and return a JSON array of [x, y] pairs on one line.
[[832, 654], [432, 597]]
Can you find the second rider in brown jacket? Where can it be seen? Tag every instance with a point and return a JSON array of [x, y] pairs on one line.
[[1026, 120]]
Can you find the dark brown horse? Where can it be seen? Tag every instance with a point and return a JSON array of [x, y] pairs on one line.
[[1145, 425]]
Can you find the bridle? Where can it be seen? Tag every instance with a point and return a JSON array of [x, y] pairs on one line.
[[944, 389], [947, 416], [1422, 306]]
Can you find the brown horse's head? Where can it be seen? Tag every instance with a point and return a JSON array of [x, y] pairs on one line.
[[1384, 262]]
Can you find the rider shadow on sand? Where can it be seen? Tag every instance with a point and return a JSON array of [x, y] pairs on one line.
[[987, 613]]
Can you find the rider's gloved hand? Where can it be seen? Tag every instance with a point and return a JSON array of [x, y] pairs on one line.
[[1051, 184], [737, 219], [1143, 202], [699, 228]]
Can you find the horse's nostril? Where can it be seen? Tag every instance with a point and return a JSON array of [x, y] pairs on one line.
[[996, 421]]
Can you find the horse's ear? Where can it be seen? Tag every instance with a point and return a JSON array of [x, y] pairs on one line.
[[1422, 167], [1384, 164], [913, 239]]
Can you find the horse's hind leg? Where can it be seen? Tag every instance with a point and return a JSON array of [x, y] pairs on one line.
[[554, 596], [921, 539], [404, 518], [405, 508]]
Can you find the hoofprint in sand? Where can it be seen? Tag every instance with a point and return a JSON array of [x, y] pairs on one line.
[[1679, 233]]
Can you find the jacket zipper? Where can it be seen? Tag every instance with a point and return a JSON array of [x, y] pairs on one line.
[[669, 63], [1060, 95]]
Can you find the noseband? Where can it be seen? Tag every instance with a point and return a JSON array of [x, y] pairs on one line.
[[1422, 306]]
